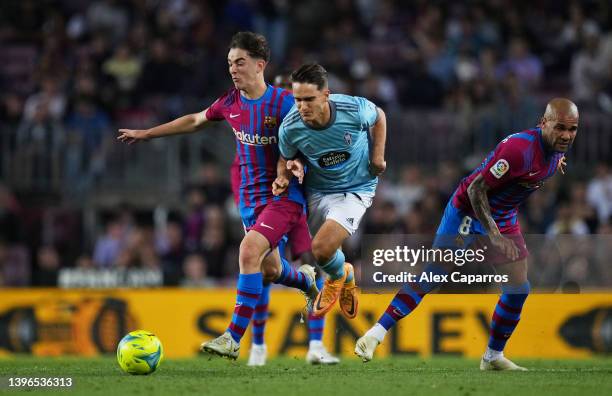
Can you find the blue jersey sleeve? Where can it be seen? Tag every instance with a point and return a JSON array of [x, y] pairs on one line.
[[287, 106], [367, 112], [286, 148]]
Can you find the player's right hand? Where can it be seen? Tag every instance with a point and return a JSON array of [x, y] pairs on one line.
[[506, 246], [561, 165], [280, 185], [131, 136], [297, 168]]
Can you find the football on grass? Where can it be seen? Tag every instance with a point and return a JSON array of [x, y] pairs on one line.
[[140, 352]]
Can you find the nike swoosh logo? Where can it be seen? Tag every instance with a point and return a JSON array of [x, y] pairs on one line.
[[234, 115], [533, 173], [265, 225]]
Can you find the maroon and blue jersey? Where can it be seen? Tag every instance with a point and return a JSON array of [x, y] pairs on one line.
[[518, 166], [255, 125]]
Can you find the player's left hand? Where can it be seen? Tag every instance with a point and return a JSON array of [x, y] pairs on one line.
[[297, 169], [377, 166], [561, 165], [280, 185]]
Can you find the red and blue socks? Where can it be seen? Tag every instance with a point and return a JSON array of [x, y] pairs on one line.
[[249, 289], [316, 324], [507, 315], [291, 277], [260, 316], [405, 301]]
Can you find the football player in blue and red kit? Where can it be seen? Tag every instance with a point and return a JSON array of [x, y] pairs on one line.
[[486, 203]]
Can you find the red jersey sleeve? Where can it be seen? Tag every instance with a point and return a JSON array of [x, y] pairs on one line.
[[216, 110], [507, 163]]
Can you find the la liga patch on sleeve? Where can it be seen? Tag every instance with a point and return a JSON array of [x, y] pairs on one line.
[[500, 168]]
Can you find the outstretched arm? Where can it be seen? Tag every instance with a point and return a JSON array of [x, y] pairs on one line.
[[186, 124], [477, 191], [379, 137]]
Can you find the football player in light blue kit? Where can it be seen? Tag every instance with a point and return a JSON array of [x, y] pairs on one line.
[[331, 135]]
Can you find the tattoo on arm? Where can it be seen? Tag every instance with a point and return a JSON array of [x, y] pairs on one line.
[[477, 191]]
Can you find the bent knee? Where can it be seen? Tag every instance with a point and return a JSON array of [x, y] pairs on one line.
[[249, 255], [271, 272]]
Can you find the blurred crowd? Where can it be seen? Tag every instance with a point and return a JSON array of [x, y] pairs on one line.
[[198, 244], [72, 72]]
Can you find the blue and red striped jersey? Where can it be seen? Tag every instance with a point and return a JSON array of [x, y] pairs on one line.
[[518, 166], [255, 124]]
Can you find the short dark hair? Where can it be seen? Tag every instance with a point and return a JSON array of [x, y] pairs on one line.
[[254, 44], [312, 73]]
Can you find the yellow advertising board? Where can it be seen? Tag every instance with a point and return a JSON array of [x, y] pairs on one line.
[[84, 322]]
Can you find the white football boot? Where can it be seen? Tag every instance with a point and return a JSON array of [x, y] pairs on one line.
[[501, 363], [258, 355], [365, 346], [319, 355], [224, 345]]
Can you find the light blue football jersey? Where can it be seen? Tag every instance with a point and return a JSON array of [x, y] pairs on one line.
[[337, 154]]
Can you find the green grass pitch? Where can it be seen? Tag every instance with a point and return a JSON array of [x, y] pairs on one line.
[[287, 376]]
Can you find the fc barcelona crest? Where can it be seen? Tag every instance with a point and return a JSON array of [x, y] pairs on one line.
[[270, 122], [347, 138]]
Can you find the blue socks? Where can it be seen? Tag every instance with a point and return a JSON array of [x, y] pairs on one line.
[[335, 266], [290, 277], [408, 298], [248, 292], [507, 314], [258, 325], [316, 324]]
